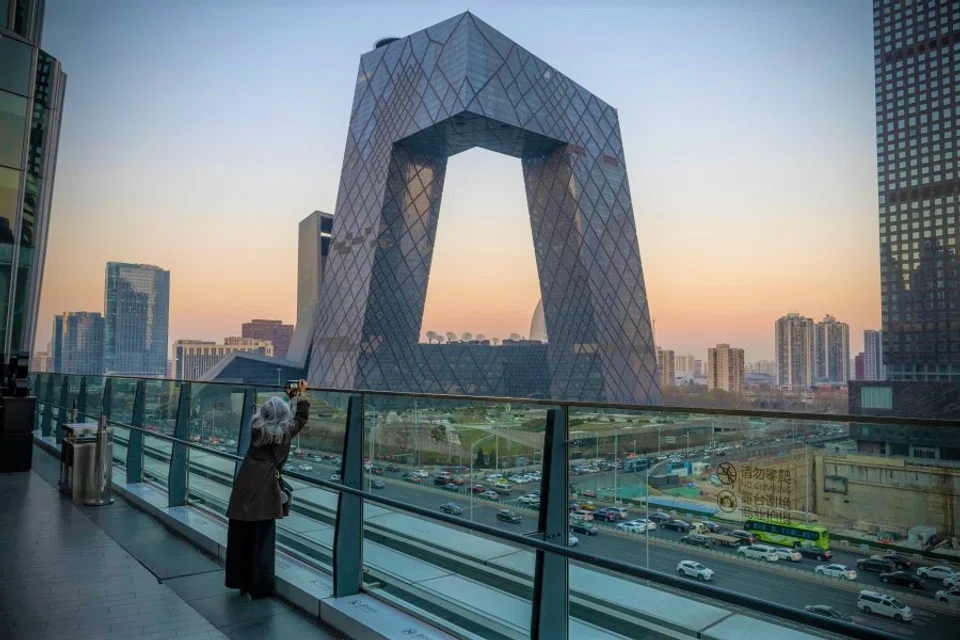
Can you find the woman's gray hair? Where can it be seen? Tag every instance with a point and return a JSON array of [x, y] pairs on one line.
[[272, 423]]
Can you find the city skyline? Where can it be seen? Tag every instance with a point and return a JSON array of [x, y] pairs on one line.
[[769, 94]]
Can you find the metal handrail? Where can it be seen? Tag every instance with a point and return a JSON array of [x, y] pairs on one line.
[[904, 421], [666, 579]]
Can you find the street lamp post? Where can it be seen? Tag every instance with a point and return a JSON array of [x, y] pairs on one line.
[[646, 502], [470, 488], [278, 375]]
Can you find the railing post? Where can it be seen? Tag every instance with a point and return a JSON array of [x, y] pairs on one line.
[[551, 577], [246, 415], [62, 408], [82, 400], [36, 390], [177, 478], [47, 408], [106, 402], [135, 437], [348, 535]]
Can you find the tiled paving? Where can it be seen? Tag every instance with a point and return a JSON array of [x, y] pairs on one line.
[[114, 572]]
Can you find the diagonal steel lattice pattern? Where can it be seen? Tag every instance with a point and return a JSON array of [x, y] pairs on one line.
[[420, 99]]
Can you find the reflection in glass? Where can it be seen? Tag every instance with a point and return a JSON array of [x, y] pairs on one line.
[[14, 65], [13, 128]]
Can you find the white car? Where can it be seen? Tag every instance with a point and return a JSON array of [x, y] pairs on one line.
[[490, 495], [693, 569], [836, 571], [884, 605], [422, 473], [306, 467], [529, 498], [949, 596], [622, 511], [952, 582], [759, 552], [637, 526], [335, 477], [493, 477], [939, 572], [789, 555], [572, 540], [516, 479]]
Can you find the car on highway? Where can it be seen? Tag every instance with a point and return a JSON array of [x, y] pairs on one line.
[[759, 552], [949, 596], [516, 479], [412, 477], [878, 565], [622, 513], [637, 526], [588, 506], [788, 555], [502, 489], [884, 605], [712, 527], [572, 540], [585, 528], [493, 477], [903, 579], [306, 467], [582, 514], [529, 498], [589, 493], [451, 508], [422, 473], [693, 569], [938, 572], [815, 552], [378, 484], [477, 488], [508, 515], [441, 481], [952, 582], [606, 515], [826, 612], [490, 495], [676, 525], [841, 571], [573, 505], [451, 487], [335, 477], [393, 468], [696, 540], [899, 560], [659, 516], [748, 538]]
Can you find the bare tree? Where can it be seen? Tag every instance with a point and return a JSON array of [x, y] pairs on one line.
[[467, 336], [481, 337], [515, 336], [451, 336], [431, 336], [495, 340]]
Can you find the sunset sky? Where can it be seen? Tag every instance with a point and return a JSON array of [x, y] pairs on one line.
[[198, 133]]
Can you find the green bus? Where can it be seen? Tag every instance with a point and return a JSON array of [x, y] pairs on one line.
[[792, 534]]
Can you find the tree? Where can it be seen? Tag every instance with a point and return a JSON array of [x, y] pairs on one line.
[[438, 434], [467, 336], [481, 337], [515, 337], [431, 336], [451, 336], [495, 341], [480, 462]]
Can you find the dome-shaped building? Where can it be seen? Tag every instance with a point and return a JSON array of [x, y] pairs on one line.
[[538, 324]]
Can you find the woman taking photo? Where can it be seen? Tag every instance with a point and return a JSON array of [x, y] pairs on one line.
[[257, 502]]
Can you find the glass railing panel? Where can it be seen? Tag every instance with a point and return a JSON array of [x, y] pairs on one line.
[[94, 397], [479, 461], [162, 401], [122, 396]]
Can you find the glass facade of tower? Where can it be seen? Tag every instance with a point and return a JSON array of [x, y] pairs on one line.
[[82, 343], [31, 99], [137, 301], [917, 59]]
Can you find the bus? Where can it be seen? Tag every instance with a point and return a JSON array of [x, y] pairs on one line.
[[789, 534]]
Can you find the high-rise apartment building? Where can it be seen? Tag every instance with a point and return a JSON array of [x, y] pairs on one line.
[[766, 367], [831, 345], [312, 251], [194, 357], [666, 365], [725, 368], [275, 331], [919, 187], [56, 345], [859, 368], [32, 85], [82, 343], [698, 368], [873, 355], [41, 362], [137, 303], [793, 346], [684, 362]]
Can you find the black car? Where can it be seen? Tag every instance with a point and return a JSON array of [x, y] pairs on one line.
[[659, 517], [675, 525], [587, 529], [712, 527], [904, 579], [899, 560], [815, 552], [696, 540], [747, 537], [826, 612], [441, 481], [451, 487], [875, 564], [452, 508], [508, 515], [378, 484]]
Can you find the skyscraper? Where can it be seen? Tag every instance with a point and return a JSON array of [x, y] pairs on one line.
[[919, 186], [31, 101], [666, 365], [793, 347], [831, 351], [684, 362], [137, 302], [725, 368], [56, 344], [275, 331], [859, 369], [82, 343], [312, 250], [873, 355], [193, 358]]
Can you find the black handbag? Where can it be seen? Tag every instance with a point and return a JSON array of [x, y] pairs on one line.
[[285, 487]]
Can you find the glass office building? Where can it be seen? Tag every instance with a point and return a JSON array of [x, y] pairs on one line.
[[917, 59], [137, 301], [81, 343], [419, 100], [31, 100]]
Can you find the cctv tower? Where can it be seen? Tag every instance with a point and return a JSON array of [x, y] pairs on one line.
[[419, 100]]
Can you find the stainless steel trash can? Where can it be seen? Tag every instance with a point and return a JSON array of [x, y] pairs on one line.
[[78, 460]]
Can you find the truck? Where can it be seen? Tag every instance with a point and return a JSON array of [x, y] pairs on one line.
[[716, 538]]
